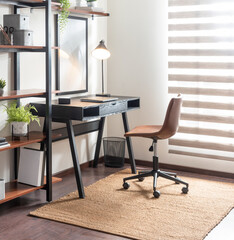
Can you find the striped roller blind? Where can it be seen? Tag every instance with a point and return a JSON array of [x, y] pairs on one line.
[[201, 68]]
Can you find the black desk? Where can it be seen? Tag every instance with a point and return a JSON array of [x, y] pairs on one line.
[[83, 111]]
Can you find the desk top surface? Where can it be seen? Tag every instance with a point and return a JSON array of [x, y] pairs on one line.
[[79, 110], [77, 101]]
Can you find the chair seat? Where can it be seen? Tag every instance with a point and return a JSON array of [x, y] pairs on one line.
[[147, 131]]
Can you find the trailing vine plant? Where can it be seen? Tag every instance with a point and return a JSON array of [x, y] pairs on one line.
[[64, 13]]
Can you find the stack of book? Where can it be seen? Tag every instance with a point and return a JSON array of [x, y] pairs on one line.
[[3, 143]]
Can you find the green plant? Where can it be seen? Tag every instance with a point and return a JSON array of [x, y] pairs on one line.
[[21, 113], [2, 83], [91, 0], [64, 13]]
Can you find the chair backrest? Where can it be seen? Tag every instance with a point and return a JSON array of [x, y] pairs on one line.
[[171, 122]]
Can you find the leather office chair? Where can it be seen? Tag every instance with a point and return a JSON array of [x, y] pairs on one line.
[[159, 132]]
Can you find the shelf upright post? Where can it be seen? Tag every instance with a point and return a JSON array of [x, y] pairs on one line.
[[16, 87], [48, 120]]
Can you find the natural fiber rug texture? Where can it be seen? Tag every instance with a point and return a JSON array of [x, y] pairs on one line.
[[136, 214]]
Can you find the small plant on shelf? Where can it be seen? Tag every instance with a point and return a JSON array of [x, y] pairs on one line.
[[20, 117], [62, 19], [2, 85]]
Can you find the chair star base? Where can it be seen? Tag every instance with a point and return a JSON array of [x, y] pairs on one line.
[[155, 174]]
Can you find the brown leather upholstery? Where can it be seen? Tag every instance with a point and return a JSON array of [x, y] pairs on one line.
[[169, 127]]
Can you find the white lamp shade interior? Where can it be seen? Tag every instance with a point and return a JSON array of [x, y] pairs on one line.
[[101, 53]]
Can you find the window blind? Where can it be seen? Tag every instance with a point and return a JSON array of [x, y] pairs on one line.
[[201, 68]]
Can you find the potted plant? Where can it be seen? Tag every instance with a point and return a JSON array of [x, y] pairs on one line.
[[64, 13], [20, 117], [2, 85], [91, 3]]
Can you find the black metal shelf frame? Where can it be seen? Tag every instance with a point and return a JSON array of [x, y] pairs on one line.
[[47, 50]]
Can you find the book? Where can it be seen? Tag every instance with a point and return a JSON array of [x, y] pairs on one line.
[[31, 167], [2, 139], [5, 145], [98, 99], [91, 9]]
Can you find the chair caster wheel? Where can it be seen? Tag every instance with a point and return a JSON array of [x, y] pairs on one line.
[[185, 190], [141, 179], [156, 194], [126, 185]]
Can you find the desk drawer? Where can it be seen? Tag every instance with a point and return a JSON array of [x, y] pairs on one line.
[[113, 107]]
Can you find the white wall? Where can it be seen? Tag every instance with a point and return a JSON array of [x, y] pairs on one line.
[[137, 38], [33, 76]]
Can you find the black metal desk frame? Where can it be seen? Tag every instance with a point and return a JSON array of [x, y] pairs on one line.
[[64, 114]]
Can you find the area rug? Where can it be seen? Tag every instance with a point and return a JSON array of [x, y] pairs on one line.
[[136, 214]]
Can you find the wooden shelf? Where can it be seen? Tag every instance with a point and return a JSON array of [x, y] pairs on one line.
[[56, 6], [14, 189], [34, 137], [18, 48], [85, 12], [25, 93], [22, 94]]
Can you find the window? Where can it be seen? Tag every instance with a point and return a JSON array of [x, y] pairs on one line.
[[201, 68]]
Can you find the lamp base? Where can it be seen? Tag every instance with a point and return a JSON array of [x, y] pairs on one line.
[[103, 95]]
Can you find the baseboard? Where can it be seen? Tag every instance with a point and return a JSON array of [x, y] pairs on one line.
[[184, 169], [149, 164]]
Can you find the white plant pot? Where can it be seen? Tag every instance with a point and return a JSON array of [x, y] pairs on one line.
[[78, 3], [19, 129], [1, 91], [92, 4]]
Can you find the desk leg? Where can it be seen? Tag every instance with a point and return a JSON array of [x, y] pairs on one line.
[[75, 159], [99, 141], [129, 143]]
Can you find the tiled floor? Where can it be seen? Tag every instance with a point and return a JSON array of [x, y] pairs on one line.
[[224, 230]]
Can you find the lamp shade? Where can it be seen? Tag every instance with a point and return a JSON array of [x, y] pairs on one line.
[[101, 52]]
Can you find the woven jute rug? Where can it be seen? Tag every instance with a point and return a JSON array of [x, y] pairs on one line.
[[136, 214]]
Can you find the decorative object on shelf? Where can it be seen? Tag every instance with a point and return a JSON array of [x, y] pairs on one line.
[[2, 189], [91, 3], [16, 26], [20, 117], [2, 85], [3, 142], [4, 39], [23, 37], [17, 21], [31, 167], [101, 53], [64, 13]]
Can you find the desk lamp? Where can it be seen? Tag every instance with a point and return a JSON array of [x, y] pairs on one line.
[[101, 53]]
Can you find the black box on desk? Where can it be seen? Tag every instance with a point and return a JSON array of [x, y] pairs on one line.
[[64, 100]]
